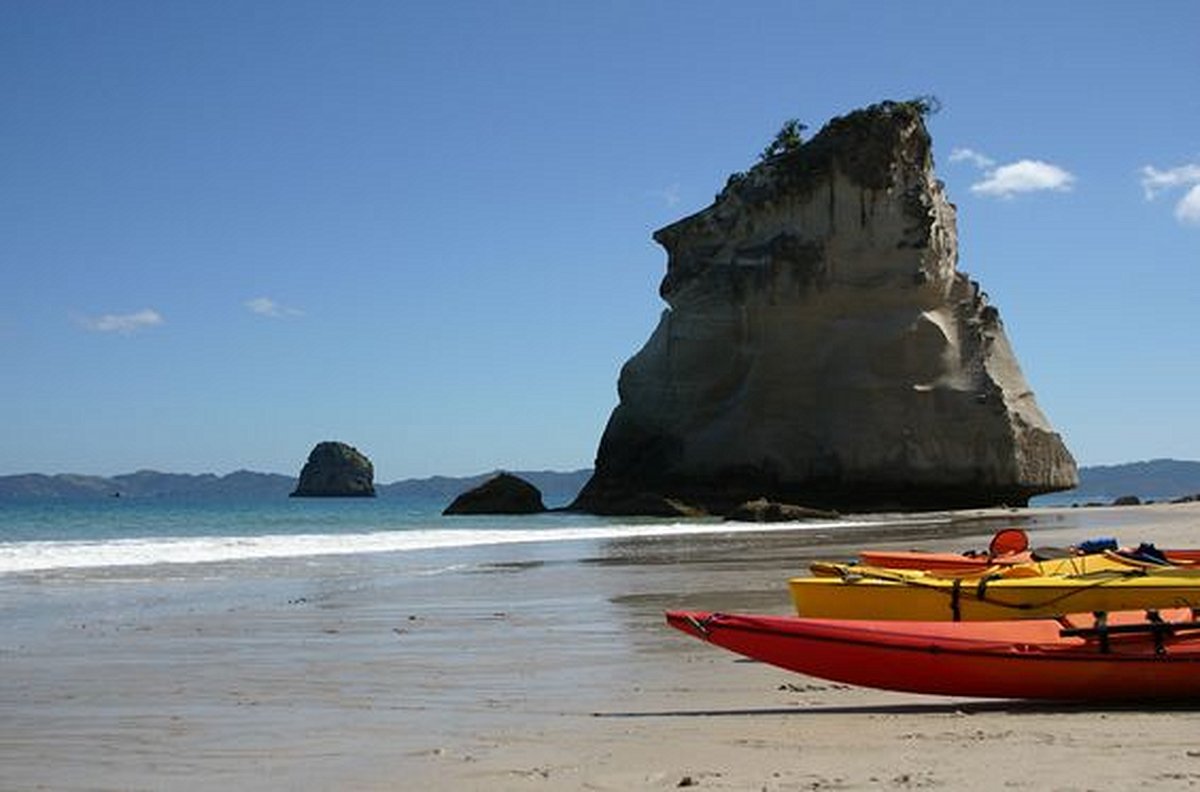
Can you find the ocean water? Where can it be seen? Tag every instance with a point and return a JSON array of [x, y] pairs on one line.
[[55, 537], [65, 564], [153, 644], [307, 644]]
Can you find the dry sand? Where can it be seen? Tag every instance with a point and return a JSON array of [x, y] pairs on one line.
[[534, 667]]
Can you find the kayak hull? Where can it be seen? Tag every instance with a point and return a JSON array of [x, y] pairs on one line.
[[1016, 659]]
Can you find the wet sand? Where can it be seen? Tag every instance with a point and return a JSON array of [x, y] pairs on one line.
[[541, 666]]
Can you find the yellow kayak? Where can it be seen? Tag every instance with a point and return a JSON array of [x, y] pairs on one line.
[[1068, 566], [855, 592]]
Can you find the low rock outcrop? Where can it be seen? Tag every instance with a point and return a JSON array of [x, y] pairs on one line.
[[819, 347], [504, 493], [336, 470], [765, 511]]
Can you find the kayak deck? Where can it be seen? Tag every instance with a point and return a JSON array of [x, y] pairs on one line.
[[865, 593]]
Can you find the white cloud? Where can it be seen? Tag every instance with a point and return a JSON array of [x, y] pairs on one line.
[[1154, 181], [123, 323], [1188, 209], [669, 194], [1005, 181], [265, 306], [981, 161], [1023, 176]]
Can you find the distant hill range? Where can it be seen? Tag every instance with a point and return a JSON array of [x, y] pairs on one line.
[[146, 484], [1158, 479], [558, 488]]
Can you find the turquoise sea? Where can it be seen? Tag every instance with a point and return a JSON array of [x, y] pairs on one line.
[[55, 538], [68, 562]]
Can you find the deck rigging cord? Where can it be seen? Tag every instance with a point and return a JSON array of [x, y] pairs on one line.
[[957, 591]]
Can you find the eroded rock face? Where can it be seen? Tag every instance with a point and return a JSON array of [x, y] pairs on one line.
[[504, 493], [336, 470], [763, 510], [820, 347]]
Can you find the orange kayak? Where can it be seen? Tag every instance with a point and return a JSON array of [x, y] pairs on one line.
[[938, 562], [963, 563], [1126, 658]]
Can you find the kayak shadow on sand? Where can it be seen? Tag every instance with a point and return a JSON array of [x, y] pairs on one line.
[[980, 707]]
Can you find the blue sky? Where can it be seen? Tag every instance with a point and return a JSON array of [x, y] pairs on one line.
[[233, 229]]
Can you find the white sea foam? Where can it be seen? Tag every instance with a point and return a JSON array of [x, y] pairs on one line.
[[31, 556]]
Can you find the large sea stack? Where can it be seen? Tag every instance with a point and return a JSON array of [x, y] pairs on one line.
[[336, 470], [820, 347]]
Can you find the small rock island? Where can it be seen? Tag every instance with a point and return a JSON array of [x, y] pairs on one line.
[[336, 470], [503, 493], [820, 347]]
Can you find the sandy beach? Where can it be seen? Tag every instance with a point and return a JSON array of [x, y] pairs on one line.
[[539, 666]]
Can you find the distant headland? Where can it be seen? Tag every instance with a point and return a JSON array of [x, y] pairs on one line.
[[1153, 480], [557, 487]]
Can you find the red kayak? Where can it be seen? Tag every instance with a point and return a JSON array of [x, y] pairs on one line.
[[1123, 658]]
